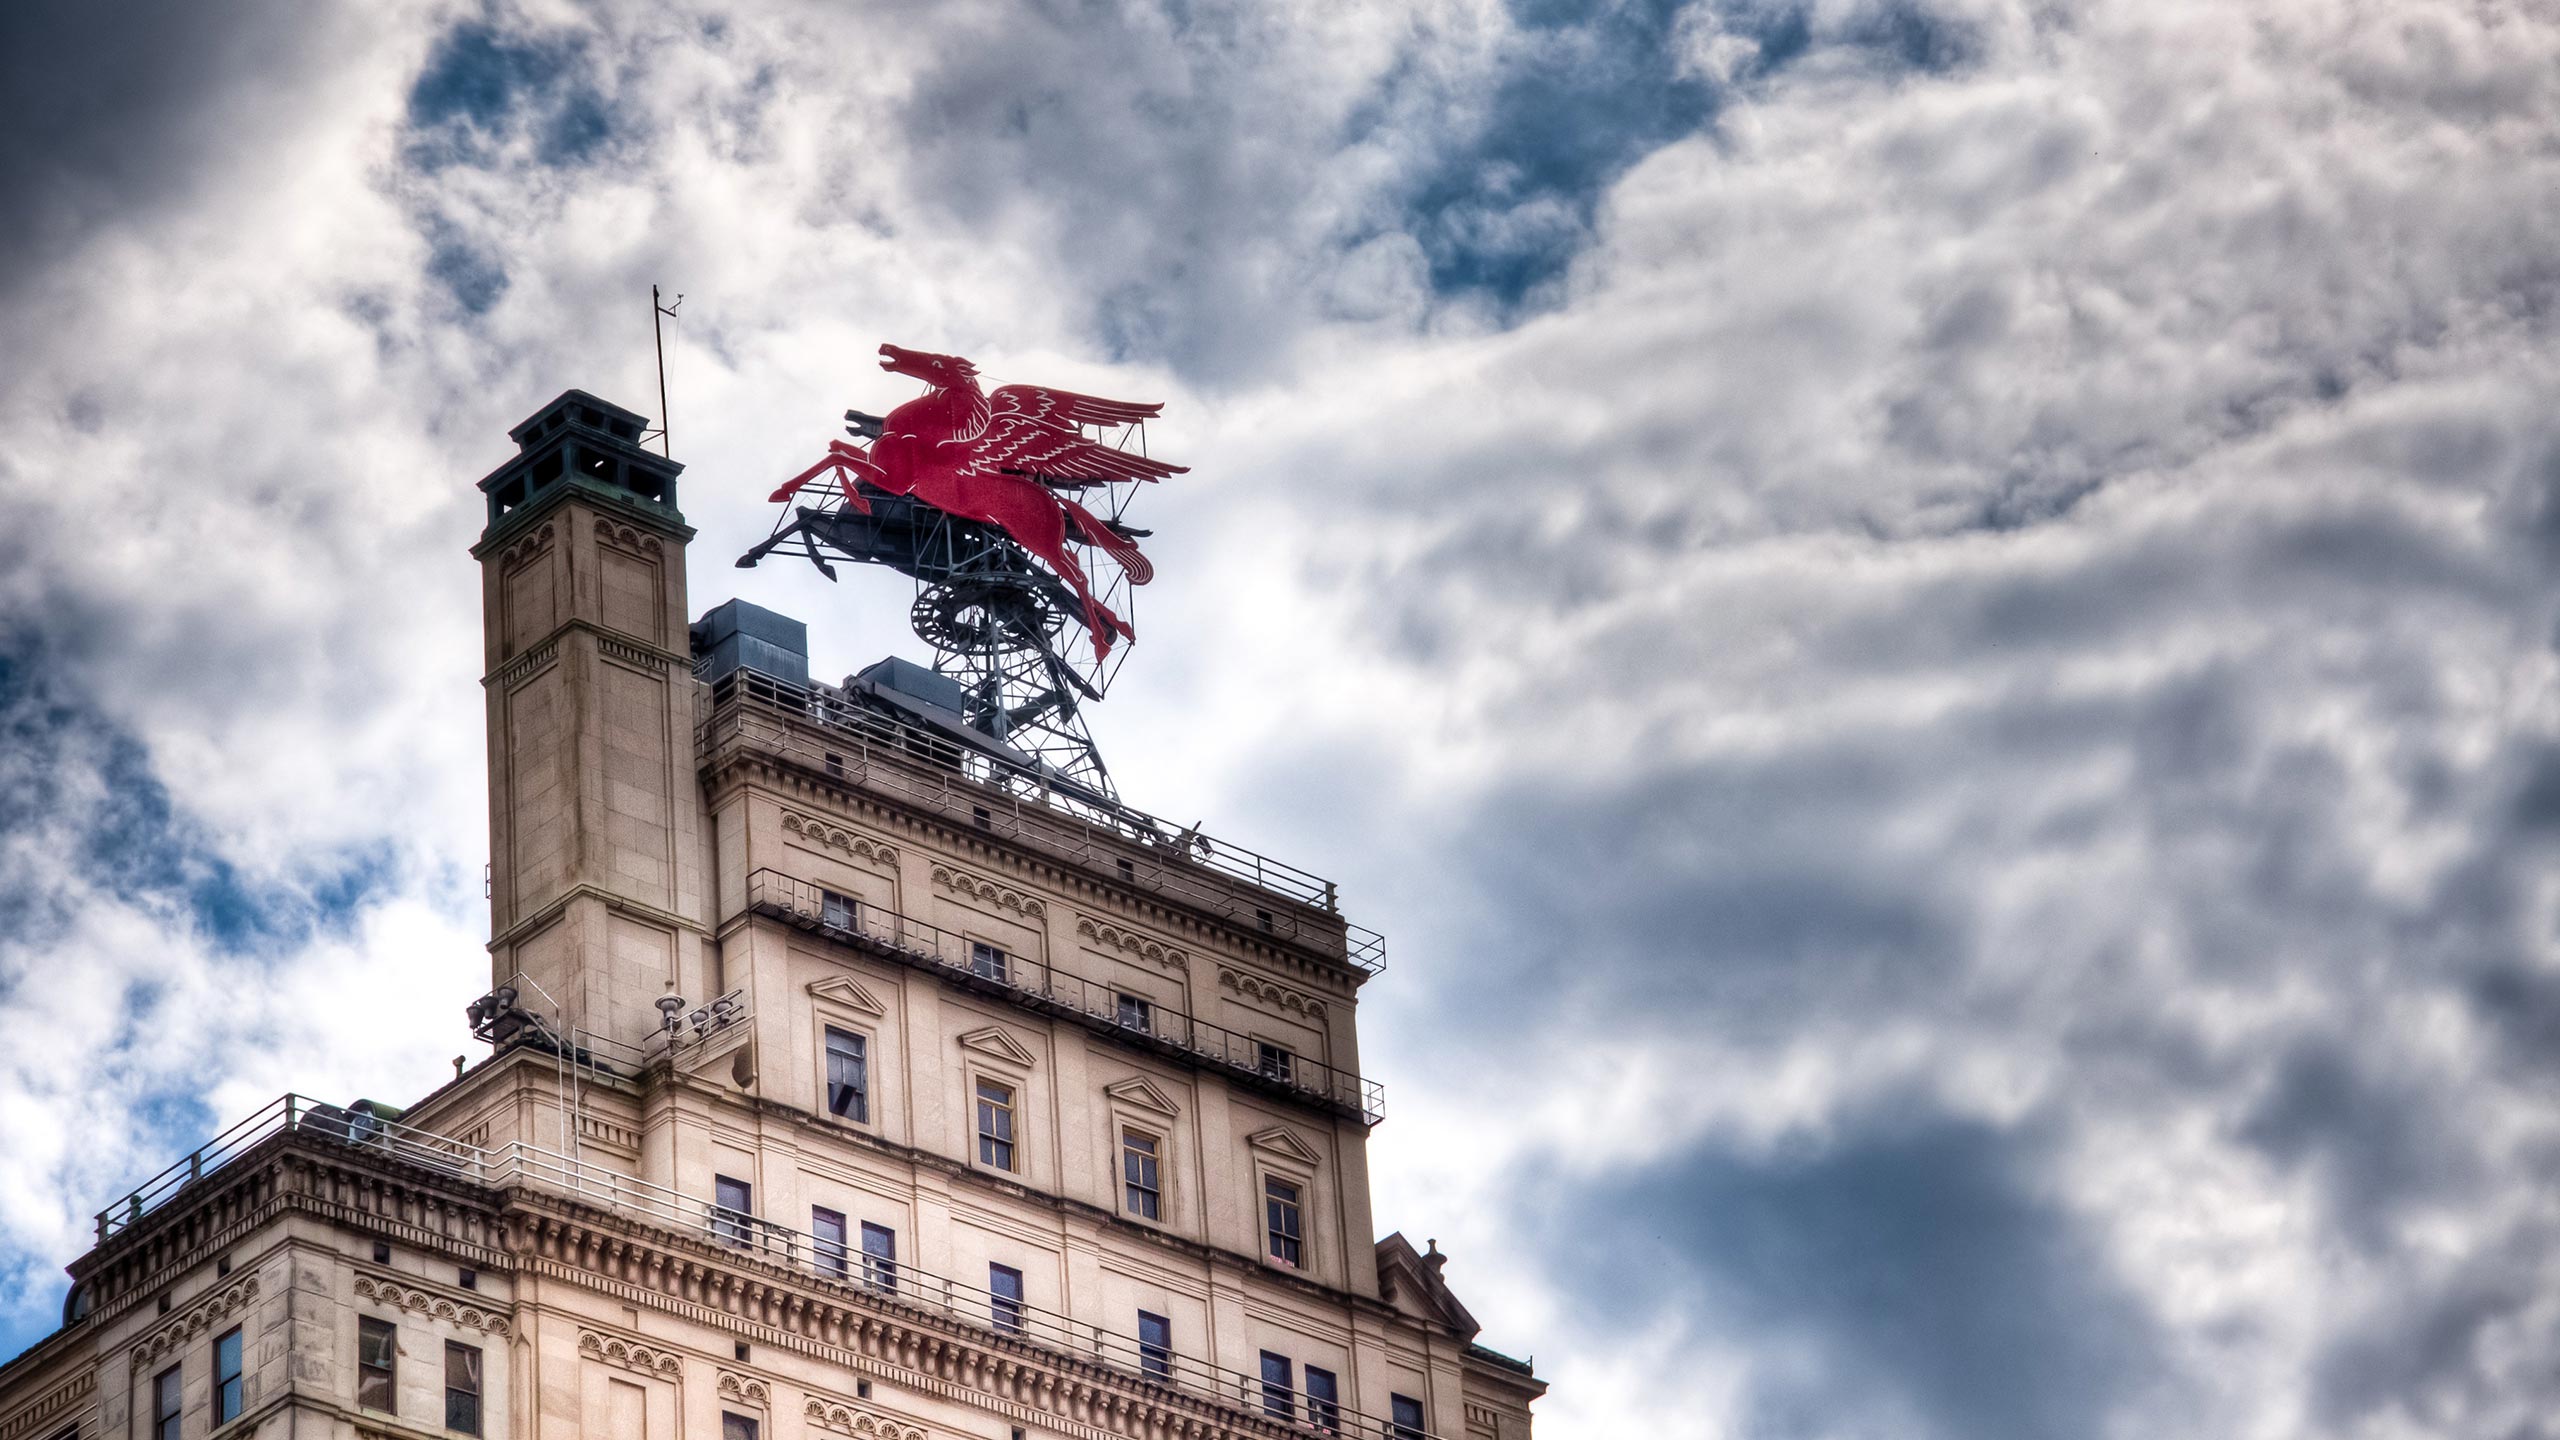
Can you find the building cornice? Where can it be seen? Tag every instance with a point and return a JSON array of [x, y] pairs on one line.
[[568, 1240], [521, 1229]]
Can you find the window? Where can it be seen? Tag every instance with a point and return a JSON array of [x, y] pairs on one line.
[[1280, 1214], [1155, 1346], [1274, 1062], [1004, 1290], [835, 911], [986, 961], [226, 1377], [826, 1243], [1137, 1014], [1279, 1397], [735, 1208], [1138, 1168], [462, 1387], [1407, 1424], [734, 1426], [879, 1257], [1262, 921], [995, 1124], [848, 1077], [1128, 872], [377, 1353], [1324, 1401], [166, 1395]]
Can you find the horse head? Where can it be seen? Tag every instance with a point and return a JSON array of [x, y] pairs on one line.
[[942, 372]]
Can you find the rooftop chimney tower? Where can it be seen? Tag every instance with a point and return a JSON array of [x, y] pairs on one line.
[[595, 841]]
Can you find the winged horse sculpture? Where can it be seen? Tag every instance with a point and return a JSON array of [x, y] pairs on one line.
[[1003, 459]]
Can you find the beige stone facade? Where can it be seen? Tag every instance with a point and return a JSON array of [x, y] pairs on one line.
[[969, 1111]]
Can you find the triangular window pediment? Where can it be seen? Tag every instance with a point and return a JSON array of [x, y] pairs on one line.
[[1282, 1141], [996, 1041], [1138, 1094], [846, 993]]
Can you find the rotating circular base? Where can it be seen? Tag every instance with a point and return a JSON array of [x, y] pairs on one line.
[[985, 614]]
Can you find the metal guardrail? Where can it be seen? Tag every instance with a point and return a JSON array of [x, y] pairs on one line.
[[877, 1280], [983, 791], [350, 1124], [1158, 1029]]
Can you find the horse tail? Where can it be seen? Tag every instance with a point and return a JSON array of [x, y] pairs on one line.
[[1114, 544]]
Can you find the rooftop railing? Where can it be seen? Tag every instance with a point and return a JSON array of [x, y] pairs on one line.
[[1154, 1028], [822, 730], [859, 1276], [290, 1112]]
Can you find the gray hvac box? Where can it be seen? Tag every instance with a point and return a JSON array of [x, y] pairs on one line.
[[740, 636]]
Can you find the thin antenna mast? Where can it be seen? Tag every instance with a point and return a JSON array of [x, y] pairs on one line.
[[660, 313]]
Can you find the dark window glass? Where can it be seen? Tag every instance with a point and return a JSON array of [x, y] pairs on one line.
[[735, 1207], [1279, 1397], [1004, 1289], [461, 1387], [879, 1257], [995, 1124], [1274, 1062], [1137, 1014], [377, 1358], [826, 1239], [1280, 1212], [1408, 1417], [734, 1426], [226, 1377], [835, 910], [986, 961], [1138, 1168], [1155, 1345], [848, 1077], [1324, 1401], [167, 1399]]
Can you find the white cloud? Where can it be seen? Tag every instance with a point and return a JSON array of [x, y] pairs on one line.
[[2020, 593]]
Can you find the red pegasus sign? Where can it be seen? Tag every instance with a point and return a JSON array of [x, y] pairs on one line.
[[1002, 459]]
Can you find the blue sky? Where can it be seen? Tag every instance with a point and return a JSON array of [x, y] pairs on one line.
[[1930, 626]]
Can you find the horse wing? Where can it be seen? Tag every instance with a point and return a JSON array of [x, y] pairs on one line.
[[1066, 407], [1024, 445]]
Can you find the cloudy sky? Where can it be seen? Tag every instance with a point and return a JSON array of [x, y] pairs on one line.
[[1928, 623]]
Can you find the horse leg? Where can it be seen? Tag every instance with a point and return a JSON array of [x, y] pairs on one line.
[[1031, 516], [840, 458], [792, 486], [853, 464], [1098, 617]]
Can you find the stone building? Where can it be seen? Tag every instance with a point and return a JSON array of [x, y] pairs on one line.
[[843, 1082]]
